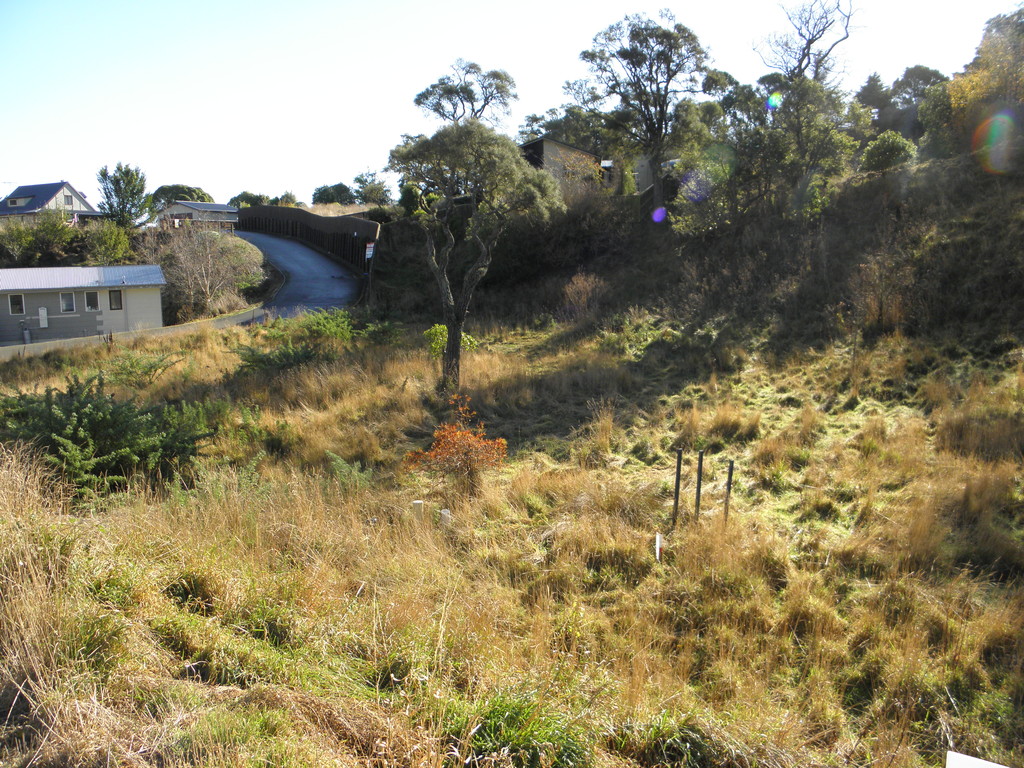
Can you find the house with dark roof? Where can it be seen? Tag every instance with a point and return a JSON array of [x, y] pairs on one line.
[[211, 214], [46, 303], [31, 199]]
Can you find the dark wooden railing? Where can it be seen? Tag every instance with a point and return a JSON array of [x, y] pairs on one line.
[[341, 237]]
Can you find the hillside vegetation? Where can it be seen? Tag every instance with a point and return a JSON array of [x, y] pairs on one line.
[[276, 600]]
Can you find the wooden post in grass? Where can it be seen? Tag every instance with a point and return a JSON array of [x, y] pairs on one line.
[[417, 511], [728, 491], [700, 477], [675, 504]]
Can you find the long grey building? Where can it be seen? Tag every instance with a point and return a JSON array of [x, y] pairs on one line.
[[45, 303]]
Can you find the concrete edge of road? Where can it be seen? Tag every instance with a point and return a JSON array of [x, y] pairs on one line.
[[247, 316]]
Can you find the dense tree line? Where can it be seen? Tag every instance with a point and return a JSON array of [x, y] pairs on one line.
[[49, 241], [720, 152]]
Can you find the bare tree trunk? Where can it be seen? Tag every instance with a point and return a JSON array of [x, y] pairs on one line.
[[657, 180], [451, 362]]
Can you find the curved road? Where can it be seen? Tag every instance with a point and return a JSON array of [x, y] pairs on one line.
[[314, 281]]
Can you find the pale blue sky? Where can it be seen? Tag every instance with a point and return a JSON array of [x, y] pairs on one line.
[[292, 94]]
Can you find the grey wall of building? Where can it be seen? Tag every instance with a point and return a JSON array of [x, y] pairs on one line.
[[141, 308]]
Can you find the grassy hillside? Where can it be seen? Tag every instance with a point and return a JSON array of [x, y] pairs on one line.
[[281, 604]]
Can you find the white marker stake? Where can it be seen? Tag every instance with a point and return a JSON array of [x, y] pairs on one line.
[[417, 510], [657, 547], [956, 760]]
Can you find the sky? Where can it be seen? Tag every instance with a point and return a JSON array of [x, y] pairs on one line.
[[291, 95]]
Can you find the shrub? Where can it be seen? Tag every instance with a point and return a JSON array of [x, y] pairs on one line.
[[580, 295], [334, 324], [106, 243], [516, 729], [384, 214], [311, 337], [437, 339], [46, 241], [350, 476], [137, 370], [461, 449], [287, 355], [97, 442], [384, 333], [887, 151], [203, 267]]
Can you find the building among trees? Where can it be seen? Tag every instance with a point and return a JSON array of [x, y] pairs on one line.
[[215, 215], [29, 200]]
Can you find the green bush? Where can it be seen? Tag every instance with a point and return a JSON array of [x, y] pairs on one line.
[[385, 214], [97, 442], [136, 370], [437, 339], [106, 243], [287, 355], [409, 200], [314, 327], [333, 324], [887, 151], [350, 476], [384, 333], [527, 734]]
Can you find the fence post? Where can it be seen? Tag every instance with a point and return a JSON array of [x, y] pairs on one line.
[[700, 478], [728, 491], [675, 504]]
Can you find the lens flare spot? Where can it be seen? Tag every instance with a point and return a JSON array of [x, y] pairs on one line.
[[695, 185], [659, 215], [993, 142], [774, 101]]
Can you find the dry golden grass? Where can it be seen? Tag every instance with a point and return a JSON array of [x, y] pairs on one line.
[[337, 209], [852, 586]]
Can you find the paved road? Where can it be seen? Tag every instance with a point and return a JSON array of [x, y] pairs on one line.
[[314, 281]]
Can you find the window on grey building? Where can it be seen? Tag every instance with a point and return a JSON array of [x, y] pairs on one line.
[[67, 302], [115, 300], [69, 200], [92, 301], [17, 304]]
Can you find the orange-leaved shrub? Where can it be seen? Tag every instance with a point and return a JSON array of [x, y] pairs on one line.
[[461, 449]]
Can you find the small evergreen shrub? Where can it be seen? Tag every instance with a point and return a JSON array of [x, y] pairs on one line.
[[384, 333], [314, 327], [887, 151], [97, 442], [350, 476], [137, 371], [287, 355]]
